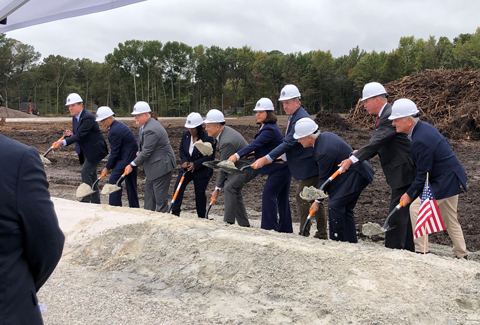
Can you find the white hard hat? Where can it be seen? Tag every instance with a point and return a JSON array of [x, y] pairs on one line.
[[140, 108], [103, 112], [214, 116], [304, 127], [373, 89], [263, 104], [289, 92], [73, 98], [403, 107], [193, 120]]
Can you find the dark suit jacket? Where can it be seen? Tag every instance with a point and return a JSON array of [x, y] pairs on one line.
[[394, 151], [330, 150], [196, 157], [31, 241], [268, 138], [432, 153], [89, 137], [123, 146], [301, 161]]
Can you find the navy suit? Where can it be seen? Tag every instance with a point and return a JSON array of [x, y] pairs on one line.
[[200, 176], [345, 189], [277, 187], [31, 242], [123, 150], [93, 149]]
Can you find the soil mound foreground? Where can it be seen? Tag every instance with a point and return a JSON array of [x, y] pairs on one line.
[[132, 266]]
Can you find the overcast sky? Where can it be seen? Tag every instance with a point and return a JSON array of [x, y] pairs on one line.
[[288, 26]]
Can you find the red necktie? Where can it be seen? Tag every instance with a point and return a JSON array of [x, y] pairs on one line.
[[376, 123]]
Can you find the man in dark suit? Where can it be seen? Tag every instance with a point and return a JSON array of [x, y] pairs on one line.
[[345, 190], [31, 242], [301, 162], [394, 151], [229, 142], [156, 156], [432, 154], [89, 142], [123, 150]]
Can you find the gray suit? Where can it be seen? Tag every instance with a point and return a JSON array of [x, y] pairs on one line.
[[229, 142], [158, 160]]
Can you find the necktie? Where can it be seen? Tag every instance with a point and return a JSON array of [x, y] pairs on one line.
[[378, 118], [288, 124], [140, 142], [75, 125]]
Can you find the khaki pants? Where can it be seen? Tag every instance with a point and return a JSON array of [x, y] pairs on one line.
[[448, 211], [304, 207]]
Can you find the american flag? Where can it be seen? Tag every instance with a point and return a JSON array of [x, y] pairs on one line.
[[429, 219]]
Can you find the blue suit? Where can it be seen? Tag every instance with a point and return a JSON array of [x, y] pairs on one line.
[[277, 187], [123, 150], [345, 189], [200, 176], [432, 153]]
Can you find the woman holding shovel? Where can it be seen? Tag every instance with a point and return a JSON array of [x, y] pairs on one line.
[[192, 164], [277, 188]]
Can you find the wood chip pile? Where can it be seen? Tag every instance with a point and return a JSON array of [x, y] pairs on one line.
[[448, 99]]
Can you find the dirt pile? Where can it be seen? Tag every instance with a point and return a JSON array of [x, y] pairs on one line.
[[327, 120], [11, 113], [448, 99]]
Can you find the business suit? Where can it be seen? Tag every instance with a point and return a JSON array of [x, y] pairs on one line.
[[432, 154], [276, 191], [92, 148], [200, 175], [229, 142], [301, 163], [31, 241], [394, 151], [345, 189], [158, 160], [123, 150]]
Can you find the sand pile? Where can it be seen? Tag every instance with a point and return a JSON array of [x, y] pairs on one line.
[[11, 113], [132, 266]]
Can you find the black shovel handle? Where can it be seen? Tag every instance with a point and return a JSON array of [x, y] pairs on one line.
[[398, 207]]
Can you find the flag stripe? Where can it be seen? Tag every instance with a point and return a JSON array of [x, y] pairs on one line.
[[429, 219]]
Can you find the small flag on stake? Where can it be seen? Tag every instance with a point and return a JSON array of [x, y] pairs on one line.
[[429, 219]]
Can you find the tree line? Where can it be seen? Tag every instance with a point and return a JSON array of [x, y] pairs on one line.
[[176, 78]]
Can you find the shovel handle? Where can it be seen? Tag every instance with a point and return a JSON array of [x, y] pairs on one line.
[[212, 200]]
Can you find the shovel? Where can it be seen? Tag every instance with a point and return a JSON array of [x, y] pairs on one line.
[[176, 191], [112, 188], [253, 165], [209, 207], [52, 147], [214, 165], [85, 190]]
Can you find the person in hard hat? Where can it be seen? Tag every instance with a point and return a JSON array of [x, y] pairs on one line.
[[432, 154], [89, 142], [31, 240], [229, 142], [192, 164], [277, 187], [345, 189], [301, 162], [123, 150], [394, 151], [157, 157]]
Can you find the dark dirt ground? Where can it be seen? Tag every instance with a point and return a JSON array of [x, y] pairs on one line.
[[64, 173]]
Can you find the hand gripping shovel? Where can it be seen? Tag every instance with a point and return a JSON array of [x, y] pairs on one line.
[[52, 147], [328, 181], [112, 188], [85, 190], [221, 164], [372, 228], [176, 191], [253, 165], [209, 207]]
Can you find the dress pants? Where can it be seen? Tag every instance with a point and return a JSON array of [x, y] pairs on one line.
[[401, 236], [89, 176], [304, 208], [448, 211], [156, 193], [200, 186], [276, 197], [115, 199], [341, 222], [234, 206]]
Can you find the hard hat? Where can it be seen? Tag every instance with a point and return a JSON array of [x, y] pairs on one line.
[[263, 104], [372, 89], [214, 116], [140, 108], [103, 112], [304, 127], [73, 98], [193, 120], [289, 92], [403, 107]]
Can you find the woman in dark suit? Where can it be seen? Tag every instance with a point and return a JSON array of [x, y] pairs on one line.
[[277, 188], [192, 164]]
